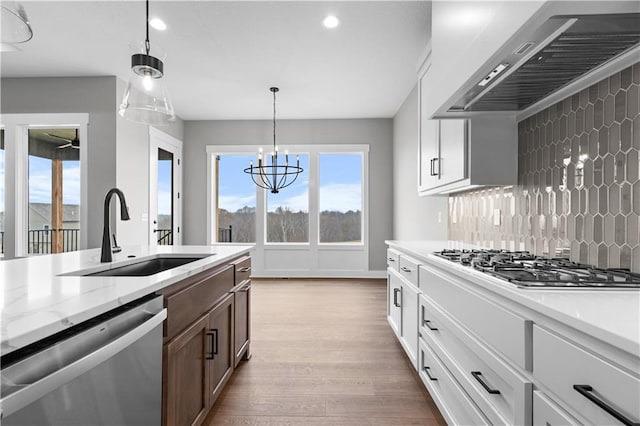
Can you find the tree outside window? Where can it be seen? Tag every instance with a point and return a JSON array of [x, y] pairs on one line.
[[288, 210], [340, 177]]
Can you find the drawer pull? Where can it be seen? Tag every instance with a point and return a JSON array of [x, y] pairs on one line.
[[245, 269], [391, 259], [426, 371], [395, 297], [585, 390], [427, 323], [476, 375], [214, 343], [405, 269]]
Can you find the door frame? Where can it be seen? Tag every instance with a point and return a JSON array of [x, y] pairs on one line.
[[157, 140]]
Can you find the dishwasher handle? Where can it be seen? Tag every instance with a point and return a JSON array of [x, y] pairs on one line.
[[34, 391]]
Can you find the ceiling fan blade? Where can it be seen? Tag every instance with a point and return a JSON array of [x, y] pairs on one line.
[[66, 145], [58, 137]]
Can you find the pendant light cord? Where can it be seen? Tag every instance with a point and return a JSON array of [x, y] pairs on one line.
[[274, 120], [147, 45]]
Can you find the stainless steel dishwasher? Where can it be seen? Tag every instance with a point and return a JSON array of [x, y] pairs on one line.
[[105, 371]]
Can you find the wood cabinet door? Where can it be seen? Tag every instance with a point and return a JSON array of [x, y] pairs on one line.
[[186, 370], [242, 304], [221, 333]]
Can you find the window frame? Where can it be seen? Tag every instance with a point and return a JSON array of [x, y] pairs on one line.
[[314, 152], [16, 129]]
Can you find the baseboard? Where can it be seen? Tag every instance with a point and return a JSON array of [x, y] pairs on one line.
[[320, 274]]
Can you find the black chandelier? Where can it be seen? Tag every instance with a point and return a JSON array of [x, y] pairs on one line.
[[274, 176]]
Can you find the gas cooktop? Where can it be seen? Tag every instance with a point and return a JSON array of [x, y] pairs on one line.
[[530, 271]]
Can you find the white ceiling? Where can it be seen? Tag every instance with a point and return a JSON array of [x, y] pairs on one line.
[[222, 56]]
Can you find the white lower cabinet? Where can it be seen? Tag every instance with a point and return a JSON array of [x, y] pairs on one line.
[[501, 392], [599, 391], [402, 313], [547, 413], [394, 302], [487, 360], [454, 403]]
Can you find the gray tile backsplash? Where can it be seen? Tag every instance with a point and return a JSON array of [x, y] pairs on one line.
[[578, 192]]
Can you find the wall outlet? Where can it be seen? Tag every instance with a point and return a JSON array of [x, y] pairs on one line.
[[144, 217], [497, 217], [439, 217]]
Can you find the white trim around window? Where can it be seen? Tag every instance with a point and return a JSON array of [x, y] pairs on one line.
[[312, 259]]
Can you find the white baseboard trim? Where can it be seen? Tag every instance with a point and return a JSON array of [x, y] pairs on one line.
[[319, 274]]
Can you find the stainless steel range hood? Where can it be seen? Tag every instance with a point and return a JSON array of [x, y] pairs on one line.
[[560, 51]]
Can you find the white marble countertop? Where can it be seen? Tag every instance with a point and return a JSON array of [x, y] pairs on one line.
[[37, 299], [612, 316]]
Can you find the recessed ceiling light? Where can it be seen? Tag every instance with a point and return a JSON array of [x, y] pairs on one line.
[[158, 24], [331, 21]]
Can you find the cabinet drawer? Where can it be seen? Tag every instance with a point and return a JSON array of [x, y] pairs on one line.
[[503, 330], [560, 365], [242, 269], [503, 395], [546, 413], [408, 268], [393, 259], [454, 404], [188, 304]]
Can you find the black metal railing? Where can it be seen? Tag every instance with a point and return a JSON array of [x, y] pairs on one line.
[[1, 241], [225, 235], [40, 240], [165, 237]]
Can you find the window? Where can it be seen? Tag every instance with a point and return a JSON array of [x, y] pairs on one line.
[[288, 210], [164, 231], [340, 202], [236, 200], [54, 190], [2, 184]]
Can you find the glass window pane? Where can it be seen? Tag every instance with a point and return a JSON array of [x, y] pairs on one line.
[[54, 191], [164, 233], [288, 210], [236, 200], [340, 206], [2, 184]]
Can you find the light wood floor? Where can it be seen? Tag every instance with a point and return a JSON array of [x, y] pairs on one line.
[[323, 354]]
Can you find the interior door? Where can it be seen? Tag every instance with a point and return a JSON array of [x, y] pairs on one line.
[[165, 202]]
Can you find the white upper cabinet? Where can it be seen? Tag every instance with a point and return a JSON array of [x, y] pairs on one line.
[[456, 154]]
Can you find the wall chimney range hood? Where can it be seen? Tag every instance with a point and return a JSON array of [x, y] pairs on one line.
[[562, 50]]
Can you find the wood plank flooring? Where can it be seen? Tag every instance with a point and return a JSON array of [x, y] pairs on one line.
[[323, 354]]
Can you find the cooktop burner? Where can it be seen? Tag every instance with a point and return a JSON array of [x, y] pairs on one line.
[[527, 270]]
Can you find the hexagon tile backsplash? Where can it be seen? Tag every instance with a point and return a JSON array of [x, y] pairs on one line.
[[578, 192]]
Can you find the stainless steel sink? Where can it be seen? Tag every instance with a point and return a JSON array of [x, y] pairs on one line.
[[143, 268]]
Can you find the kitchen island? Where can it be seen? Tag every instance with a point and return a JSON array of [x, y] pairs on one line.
[[40, 298], [151, 337], [491, 352]]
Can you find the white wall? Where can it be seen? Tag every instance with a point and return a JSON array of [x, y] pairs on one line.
[[414, 218], [377, 133]]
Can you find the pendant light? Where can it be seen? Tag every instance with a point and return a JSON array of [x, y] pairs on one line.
[[274, 176], [14, 24], [146, 99]]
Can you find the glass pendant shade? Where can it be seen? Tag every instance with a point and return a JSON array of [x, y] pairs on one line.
[[146, 98], [15, 24]]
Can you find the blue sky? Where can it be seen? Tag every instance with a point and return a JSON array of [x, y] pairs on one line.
[[40, 181], [164, 187], [340, 184]]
